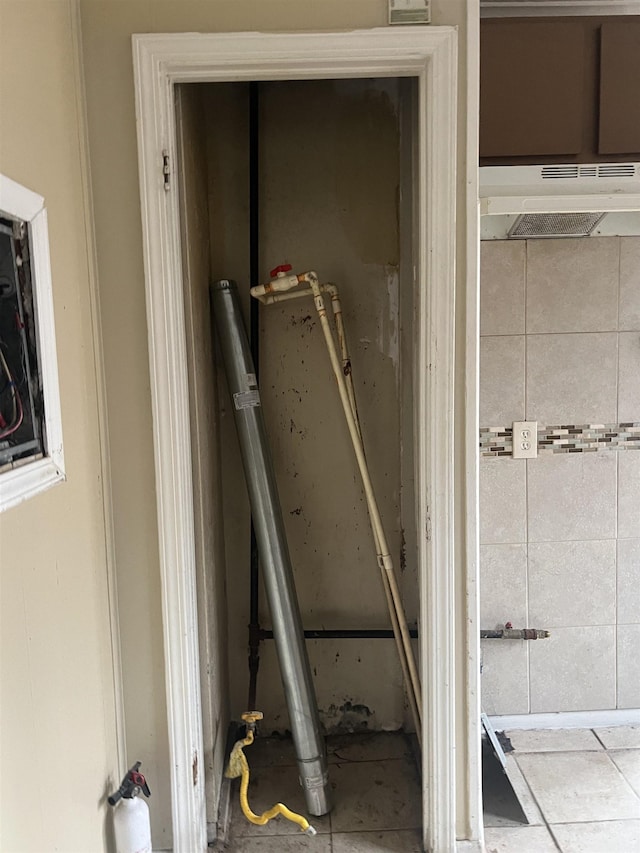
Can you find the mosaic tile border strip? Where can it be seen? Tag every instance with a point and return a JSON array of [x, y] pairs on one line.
[[565, 438]]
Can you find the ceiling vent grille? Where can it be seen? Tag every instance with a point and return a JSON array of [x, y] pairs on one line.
[[598, 170], [617, 170], [541, 225]]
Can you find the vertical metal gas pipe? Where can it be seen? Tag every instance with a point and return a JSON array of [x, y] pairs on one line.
[[254, 343], [272, 545]]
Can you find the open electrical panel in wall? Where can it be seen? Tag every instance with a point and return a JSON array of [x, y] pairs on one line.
[[21, 397]]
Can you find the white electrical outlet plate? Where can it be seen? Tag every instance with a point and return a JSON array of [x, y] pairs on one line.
[[525, 439], [409, 11]]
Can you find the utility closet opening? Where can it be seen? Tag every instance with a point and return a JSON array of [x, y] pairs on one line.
[[318, 175]]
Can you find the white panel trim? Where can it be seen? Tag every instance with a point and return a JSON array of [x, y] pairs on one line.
[[603, 202], [529, 189], [429, 54], [18, 201], [473, 777], [28, 480], [172, 446], [552, 8], [435, 447], [568, 720]]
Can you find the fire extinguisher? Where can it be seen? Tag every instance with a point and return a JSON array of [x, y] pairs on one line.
[[131, 822]]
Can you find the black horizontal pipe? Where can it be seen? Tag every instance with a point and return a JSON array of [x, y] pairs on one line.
[[364, 634]]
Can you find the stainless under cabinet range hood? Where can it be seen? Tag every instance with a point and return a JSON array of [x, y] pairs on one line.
[[519, 202]]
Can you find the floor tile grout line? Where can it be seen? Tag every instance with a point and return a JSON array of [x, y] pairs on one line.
[[363, 831], [521, 752], [574, 752], [599, 738], [553, 838], [533, 796], [550, 826], [624, 777], [539, 807], [608, 820]]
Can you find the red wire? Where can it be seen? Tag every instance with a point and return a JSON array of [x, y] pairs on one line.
[[17, 400], [18, 423]]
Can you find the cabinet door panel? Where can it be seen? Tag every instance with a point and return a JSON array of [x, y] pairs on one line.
[[532, 88], [619, 87]]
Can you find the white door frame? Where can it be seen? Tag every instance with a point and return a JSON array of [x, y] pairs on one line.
[[430, 55]]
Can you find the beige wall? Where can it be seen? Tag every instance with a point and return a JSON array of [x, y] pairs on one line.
[[59, 753], [107, 29]]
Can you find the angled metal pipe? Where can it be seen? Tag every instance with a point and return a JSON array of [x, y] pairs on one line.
[[272, 545]]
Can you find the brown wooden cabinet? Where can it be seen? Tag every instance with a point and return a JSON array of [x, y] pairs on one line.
[[559, 90], [619, 125]]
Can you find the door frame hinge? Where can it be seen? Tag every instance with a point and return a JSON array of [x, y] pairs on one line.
[[166, 170]]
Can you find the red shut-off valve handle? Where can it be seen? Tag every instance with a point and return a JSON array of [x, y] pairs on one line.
[[282, 279], [283, 268]]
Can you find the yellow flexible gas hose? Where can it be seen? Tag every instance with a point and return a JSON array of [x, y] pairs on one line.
[[239, 767]]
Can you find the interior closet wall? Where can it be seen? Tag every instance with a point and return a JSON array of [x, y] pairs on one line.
[[205, 442], [329, 199]]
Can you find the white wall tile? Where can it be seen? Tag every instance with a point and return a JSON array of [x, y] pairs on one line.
[[572, 583], [630, 283], [629, 494], [573, 670], [628, 666], [574, 294], [628, 580], [572, 496], [503, 585], [501, 380], [502, 270], [572, 378], [502, 501], [505, 677], [572, 285], [629, 376]]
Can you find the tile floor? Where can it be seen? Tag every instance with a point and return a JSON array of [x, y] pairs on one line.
[[580, 789], [376, 793]]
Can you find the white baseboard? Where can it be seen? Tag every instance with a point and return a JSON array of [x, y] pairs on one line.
[[568, 720]]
